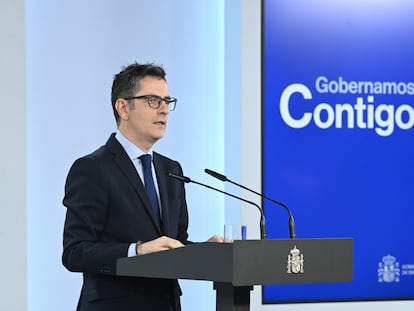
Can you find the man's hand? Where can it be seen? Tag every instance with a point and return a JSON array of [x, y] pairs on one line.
[[216, 238], [160, 244]]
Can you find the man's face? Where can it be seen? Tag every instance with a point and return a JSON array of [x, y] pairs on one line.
[[145, 125]]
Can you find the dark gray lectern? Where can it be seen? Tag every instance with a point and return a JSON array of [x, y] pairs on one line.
[[236, 267]]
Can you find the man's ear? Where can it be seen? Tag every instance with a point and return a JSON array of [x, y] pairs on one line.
[[122, 107]]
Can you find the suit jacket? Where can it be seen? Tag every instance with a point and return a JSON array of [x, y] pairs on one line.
[[107, 210]]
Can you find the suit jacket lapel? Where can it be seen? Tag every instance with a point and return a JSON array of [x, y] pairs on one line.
[[162, 188], [125, 164]]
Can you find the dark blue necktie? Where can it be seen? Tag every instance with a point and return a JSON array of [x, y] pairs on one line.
[[149, 185]]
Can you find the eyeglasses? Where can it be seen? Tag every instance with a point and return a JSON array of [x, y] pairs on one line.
[[155, 101]]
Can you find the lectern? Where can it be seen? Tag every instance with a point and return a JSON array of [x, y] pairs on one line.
[[236, 267]]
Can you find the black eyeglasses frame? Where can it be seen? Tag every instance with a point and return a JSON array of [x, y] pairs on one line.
[[155, 101]]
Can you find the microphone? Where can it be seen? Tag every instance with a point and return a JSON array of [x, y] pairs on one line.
[[292, 230], [262, 218]]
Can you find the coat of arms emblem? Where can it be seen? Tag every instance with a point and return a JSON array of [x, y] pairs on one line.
[[389, 269], [295, 261]]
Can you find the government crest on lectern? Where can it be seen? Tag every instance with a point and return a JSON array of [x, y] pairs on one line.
[[295, 261]]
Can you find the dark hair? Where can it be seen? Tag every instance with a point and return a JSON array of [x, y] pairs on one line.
[[126, 82]]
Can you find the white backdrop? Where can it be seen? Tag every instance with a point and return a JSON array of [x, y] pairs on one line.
[[12, 158], [56, 107]]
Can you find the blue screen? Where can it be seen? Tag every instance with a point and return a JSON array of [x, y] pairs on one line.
[[338, 138]]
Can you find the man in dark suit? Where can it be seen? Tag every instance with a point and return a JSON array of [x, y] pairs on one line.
[[110, 213]]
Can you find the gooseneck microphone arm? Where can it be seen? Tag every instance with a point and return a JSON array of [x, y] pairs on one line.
[[262, 218], [292, 230]]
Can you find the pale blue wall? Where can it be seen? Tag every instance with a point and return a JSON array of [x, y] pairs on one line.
[[73, 50]]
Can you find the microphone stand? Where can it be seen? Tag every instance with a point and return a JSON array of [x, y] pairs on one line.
[[262, 217], [292, 230]]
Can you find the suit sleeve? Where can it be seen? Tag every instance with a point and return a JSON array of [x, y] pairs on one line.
[[86, 199], [183, 219]]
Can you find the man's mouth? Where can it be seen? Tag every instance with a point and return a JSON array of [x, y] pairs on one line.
[[160, 122]]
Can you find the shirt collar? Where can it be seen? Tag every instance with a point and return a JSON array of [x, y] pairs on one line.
[[132, 150]]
